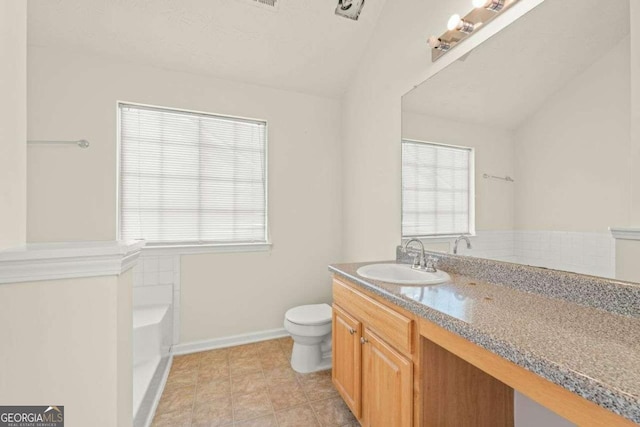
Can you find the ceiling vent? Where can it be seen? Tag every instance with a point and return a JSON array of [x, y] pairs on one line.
[[271, 5]]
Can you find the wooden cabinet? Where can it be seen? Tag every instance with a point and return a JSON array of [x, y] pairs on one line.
[[346, 370], [387, 384], [372, 363]]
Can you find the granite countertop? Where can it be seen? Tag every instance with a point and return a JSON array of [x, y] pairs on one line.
[[589, 351]]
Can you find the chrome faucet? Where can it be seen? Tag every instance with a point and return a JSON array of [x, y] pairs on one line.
[[420, 261], [455, 245]]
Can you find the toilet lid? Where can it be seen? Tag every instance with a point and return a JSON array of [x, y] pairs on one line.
[[314, 314]]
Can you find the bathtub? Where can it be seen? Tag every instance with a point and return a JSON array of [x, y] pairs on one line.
[[152, 330]]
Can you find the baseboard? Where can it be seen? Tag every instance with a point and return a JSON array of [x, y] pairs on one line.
[[196, 346]]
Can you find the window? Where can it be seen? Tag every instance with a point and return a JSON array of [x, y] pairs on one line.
[[191, 178], [437, 190]]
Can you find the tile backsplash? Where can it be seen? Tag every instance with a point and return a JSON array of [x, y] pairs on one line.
[[580, 252]]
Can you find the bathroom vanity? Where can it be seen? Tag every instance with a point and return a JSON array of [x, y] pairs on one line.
[[452, 354]]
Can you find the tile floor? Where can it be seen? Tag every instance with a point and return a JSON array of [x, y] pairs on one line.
[[249, 386]]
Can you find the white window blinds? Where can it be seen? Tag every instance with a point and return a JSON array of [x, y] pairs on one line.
[[190, 178], [437, 190]]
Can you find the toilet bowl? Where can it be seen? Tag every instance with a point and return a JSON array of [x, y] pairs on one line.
[[310, 329]]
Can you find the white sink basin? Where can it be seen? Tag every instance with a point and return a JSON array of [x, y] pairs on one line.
[[402, 274]]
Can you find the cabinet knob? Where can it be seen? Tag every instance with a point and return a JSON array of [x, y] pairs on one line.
[[363, 340], [352, 331]]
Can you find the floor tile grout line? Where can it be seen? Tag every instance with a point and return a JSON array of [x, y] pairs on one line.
[[300, 406], [273, 409], [306, 396], [286, 355], [233, 412], [233, 397], [195, 397], [200, 361], [261, 371]]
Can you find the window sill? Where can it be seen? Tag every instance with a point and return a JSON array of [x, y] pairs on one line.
[[205, 249]]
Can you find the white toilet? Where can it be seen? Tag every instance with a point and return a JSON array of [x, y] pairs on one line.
[[310, 328]]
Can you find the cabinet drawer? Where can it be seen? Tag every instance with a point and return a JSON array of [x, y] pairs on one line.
[[395, 328]]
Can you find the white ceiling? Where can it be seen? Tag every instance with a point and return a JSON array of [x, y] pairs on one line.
[[506, 80], [302, 46]]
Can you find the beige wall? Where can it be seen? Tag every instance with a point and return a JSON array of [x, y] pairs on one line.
[[572, 156], [493, 154], [72, 192], [63, 344], [13, 122]]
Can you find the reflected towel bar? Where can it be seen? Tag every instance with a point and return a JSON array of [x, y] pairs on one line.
[[82, 143], [503, 178]]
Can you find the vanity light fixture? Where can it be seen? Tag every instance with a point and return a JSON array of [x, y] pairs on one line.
[[458, 24], [492, 5], [461, 27]]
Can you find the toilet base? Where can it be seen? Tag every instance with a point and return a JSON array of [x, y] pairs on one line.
[[307, 358]]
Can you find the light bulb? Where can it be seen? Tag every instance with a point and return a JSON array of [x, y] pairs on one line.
[[459, 24], [436, 43], [493, 5], [454, 22]]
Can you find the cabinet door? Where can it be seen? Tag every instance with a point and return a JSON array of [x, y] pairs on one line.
[[346, 348], [387, 384]]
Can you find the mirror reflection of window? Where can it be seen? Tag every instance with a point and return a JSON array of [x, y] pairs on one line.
[[437, 190]]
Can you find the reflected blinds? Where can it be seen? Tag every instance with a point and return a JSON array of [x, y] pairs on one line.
[[190, 178], [436, 190]]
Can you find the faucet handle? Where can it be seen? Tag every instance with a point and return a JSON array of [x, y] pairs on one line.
[[432, 263]]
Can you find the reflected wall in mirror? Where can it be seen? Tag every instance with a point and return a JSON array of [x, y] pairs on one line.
[[545, 102]]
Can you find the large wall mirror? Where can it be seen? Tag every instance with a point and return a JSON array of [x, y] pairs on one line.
[[524, 144]]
